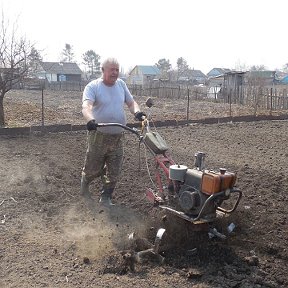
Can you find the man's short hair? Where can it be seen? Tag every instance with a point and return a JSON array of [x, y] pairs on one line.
[[109, 60]]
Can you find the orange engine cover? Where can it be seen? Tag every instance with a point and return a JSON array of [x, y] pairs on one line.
[[214, 182]]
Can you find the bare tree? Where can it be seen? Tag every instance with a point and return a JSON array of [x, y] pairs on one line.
[[14, 56], [241, 67], [258, 68]]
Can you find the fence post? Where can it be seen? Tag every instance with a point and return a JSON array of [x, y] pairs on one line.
[[188, 104], [271, 100], [285, 102], [230, 103], [42, 114]]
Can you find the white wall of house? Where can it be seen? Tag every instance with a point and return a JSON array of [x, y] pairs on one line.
[[135, 79], [51, 77]]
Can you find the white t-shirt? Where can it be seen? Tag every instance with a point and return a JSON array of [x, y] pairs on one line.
[[108, 103]]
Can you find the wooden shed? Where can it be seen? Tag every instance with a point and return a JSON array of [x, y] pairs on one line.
[[60, 71]]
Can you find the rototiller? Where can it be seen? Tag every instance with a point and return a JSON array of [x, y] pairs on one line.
[[197, 193], [194, 194]]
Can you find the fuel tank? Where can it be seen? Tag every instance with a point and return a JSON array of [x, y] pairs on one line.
[[214, 182]]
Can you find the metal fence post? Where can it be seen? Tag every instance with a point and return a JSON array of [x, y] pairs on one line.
[[42, 114], [188, 104]]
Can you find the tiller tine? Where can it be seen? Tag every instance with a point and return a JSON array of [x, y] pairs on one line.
[[150, 252], [158, 239], [153, 197]]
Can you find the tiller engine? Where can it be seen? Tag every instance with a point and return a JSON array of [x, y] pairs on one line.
[[195, 194]]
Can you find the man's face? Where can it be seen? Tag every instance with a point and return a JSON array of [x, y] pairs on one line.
[[110, 74]]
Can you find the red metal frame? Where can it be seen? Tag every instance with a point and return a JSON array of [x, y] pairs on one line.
[[163, 161]]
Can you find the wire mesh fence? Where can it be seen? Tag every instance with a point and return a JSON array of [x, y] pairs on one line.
[[60, 103]]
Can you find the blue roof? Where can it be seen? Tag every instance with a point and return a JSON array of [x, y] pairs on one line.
[[149, 70], [284, 80]]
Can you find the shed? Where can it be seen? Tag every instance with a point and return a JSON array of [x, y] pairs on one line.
[[233, 87]]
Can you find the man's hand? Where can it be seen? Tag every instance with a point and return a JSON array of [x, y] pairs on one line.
[[140, 116], [92, 125]]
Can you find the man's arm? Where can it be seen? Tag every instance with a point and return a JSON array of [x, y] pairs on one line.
[[135, 110], [133, 107], [87, 108]]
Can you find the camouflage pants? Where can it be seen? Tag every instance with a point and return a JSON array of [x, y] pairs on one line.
[[104, 158]]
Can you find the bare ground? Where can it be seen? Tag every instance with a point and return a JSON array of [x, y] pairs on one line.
[[53, 237]]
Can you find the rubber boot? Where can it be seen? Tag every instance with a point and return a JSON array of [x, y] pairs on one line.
[[84, 188], [106, 197]]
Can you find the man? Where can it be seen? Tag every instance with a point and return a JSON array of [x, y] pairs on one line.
[[103, 102]]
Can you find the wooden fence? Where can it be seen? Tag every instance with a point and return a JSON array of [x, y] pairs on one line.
[[259, 97], [170, 91], [66, 85], [271, 98]]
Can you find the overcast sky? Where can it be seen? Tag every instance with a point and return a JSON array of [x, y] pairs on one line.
[[206, 33]]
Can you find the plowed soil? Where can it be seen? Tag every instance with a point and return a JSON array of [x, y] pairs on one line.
[[53, 237]]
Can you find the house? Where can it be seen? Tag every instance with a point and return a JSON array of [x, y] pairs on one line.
[[197, 77], [281, 78], [143, 74], [59, 71], [217, 72], [194, 77], [284, 80]]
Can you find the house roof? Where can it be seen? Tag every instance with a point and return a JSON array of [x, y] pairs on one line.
[[282, 77], [218, 71], [197, 73], [222, 70], [61, 68], [148, 70], [284, 80]]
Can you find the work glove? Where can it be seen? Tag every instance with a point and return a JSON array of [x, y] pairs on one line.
[[140, 116], [92, 125]]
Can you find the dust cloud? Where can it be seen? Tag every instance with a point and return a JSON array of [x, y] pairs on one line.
[[101, 232]]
